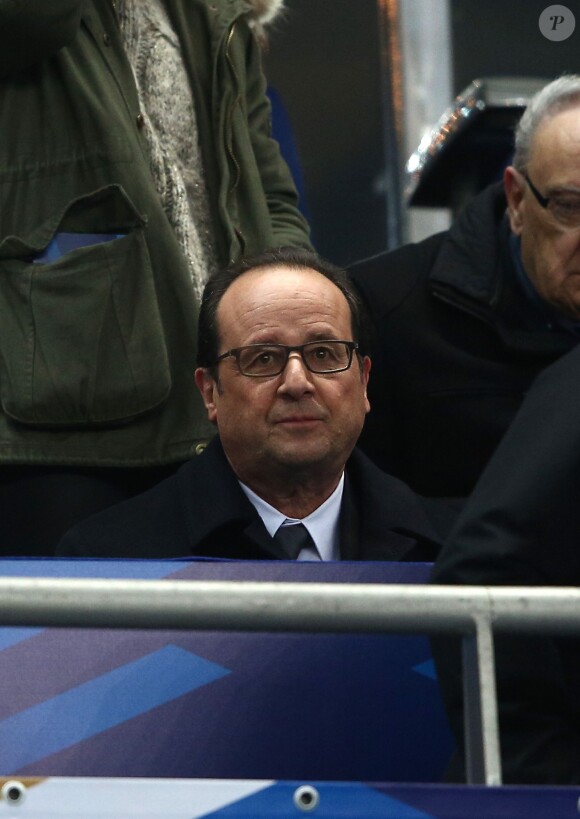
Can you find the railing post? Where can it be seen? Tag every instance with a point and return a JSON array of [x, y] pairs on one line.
[[482, 754]]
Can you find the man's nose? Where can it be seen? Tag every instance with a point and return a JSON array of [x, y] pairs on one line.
[[296, 377]]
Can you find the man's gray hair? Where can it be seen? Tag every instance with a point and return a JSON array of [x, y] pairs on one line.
[[557, 96]]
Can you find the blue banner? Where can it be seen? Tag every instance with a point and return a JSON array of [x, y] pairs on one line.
[[227, 705]]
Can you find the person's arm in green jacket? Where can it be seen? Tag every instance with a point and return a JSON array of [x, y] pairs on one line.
[[289, 226]]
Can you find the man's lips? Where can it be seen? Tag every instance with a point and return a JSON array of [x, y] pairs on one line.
[[299, 419]]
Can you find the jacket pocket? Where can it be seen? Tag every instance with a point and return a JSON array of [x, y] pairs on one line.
[[81, 338]]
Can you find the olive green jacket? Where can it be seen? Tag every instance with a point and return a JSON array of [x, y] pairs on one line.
[[97, 348]]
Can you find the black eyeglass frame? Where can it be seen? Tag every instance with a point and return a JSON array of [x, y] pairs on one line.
[[543, 201], [235, 352]]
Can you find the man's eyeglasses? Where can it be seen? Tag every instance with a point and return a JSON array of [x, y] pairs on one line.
[[320, 357], [563, 207]]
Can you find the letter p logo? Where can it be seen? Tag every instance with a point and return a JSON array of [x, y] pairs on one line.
[[557, 23]]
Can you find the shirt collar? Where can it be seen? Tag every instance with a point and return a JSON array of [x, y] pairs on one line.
[[322, 524]]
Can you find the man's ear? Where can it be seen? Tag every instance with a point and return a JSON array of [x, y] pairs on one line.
[[514, 187], [365, 371], [208, 388]]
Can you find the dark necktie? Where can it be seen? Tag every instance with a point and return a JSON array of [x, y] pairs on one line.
[[293, 539]]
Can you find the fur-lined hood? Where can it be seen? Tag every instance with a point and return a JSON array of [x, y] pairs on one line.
[[265, 11]]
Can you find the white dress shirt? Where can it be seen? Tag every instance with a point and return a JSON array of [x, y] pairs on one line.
[[322, 524]]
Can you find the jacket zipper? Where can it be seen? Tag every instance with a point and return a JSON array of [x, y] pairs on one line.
[[237, 231], [233, 105], [464, 308]]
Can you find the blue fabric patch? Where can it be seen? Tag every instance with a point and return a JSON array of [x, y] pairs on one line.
[[12, 636], [102, 703]]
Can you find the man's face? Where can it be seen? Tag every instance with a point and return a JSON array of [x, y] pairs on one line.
[[296, 422], [550, 252]]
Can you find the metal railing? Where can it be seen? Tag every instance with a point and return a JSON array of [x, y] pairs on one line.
[[473, 612]]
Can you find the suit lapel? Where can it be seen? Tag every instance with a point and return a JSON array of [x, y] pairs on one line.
[[365, 540], [220, 519], [381, 518]]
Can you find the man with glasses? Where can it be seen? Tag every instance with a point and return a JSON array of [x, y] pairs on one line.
[[283, 375], [466, 319]]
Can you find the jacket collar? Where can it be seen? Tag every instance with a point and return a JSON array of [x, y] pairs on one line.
[[475, 272], [208, 482], [469, 259], [210, 477], [381, 517]]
